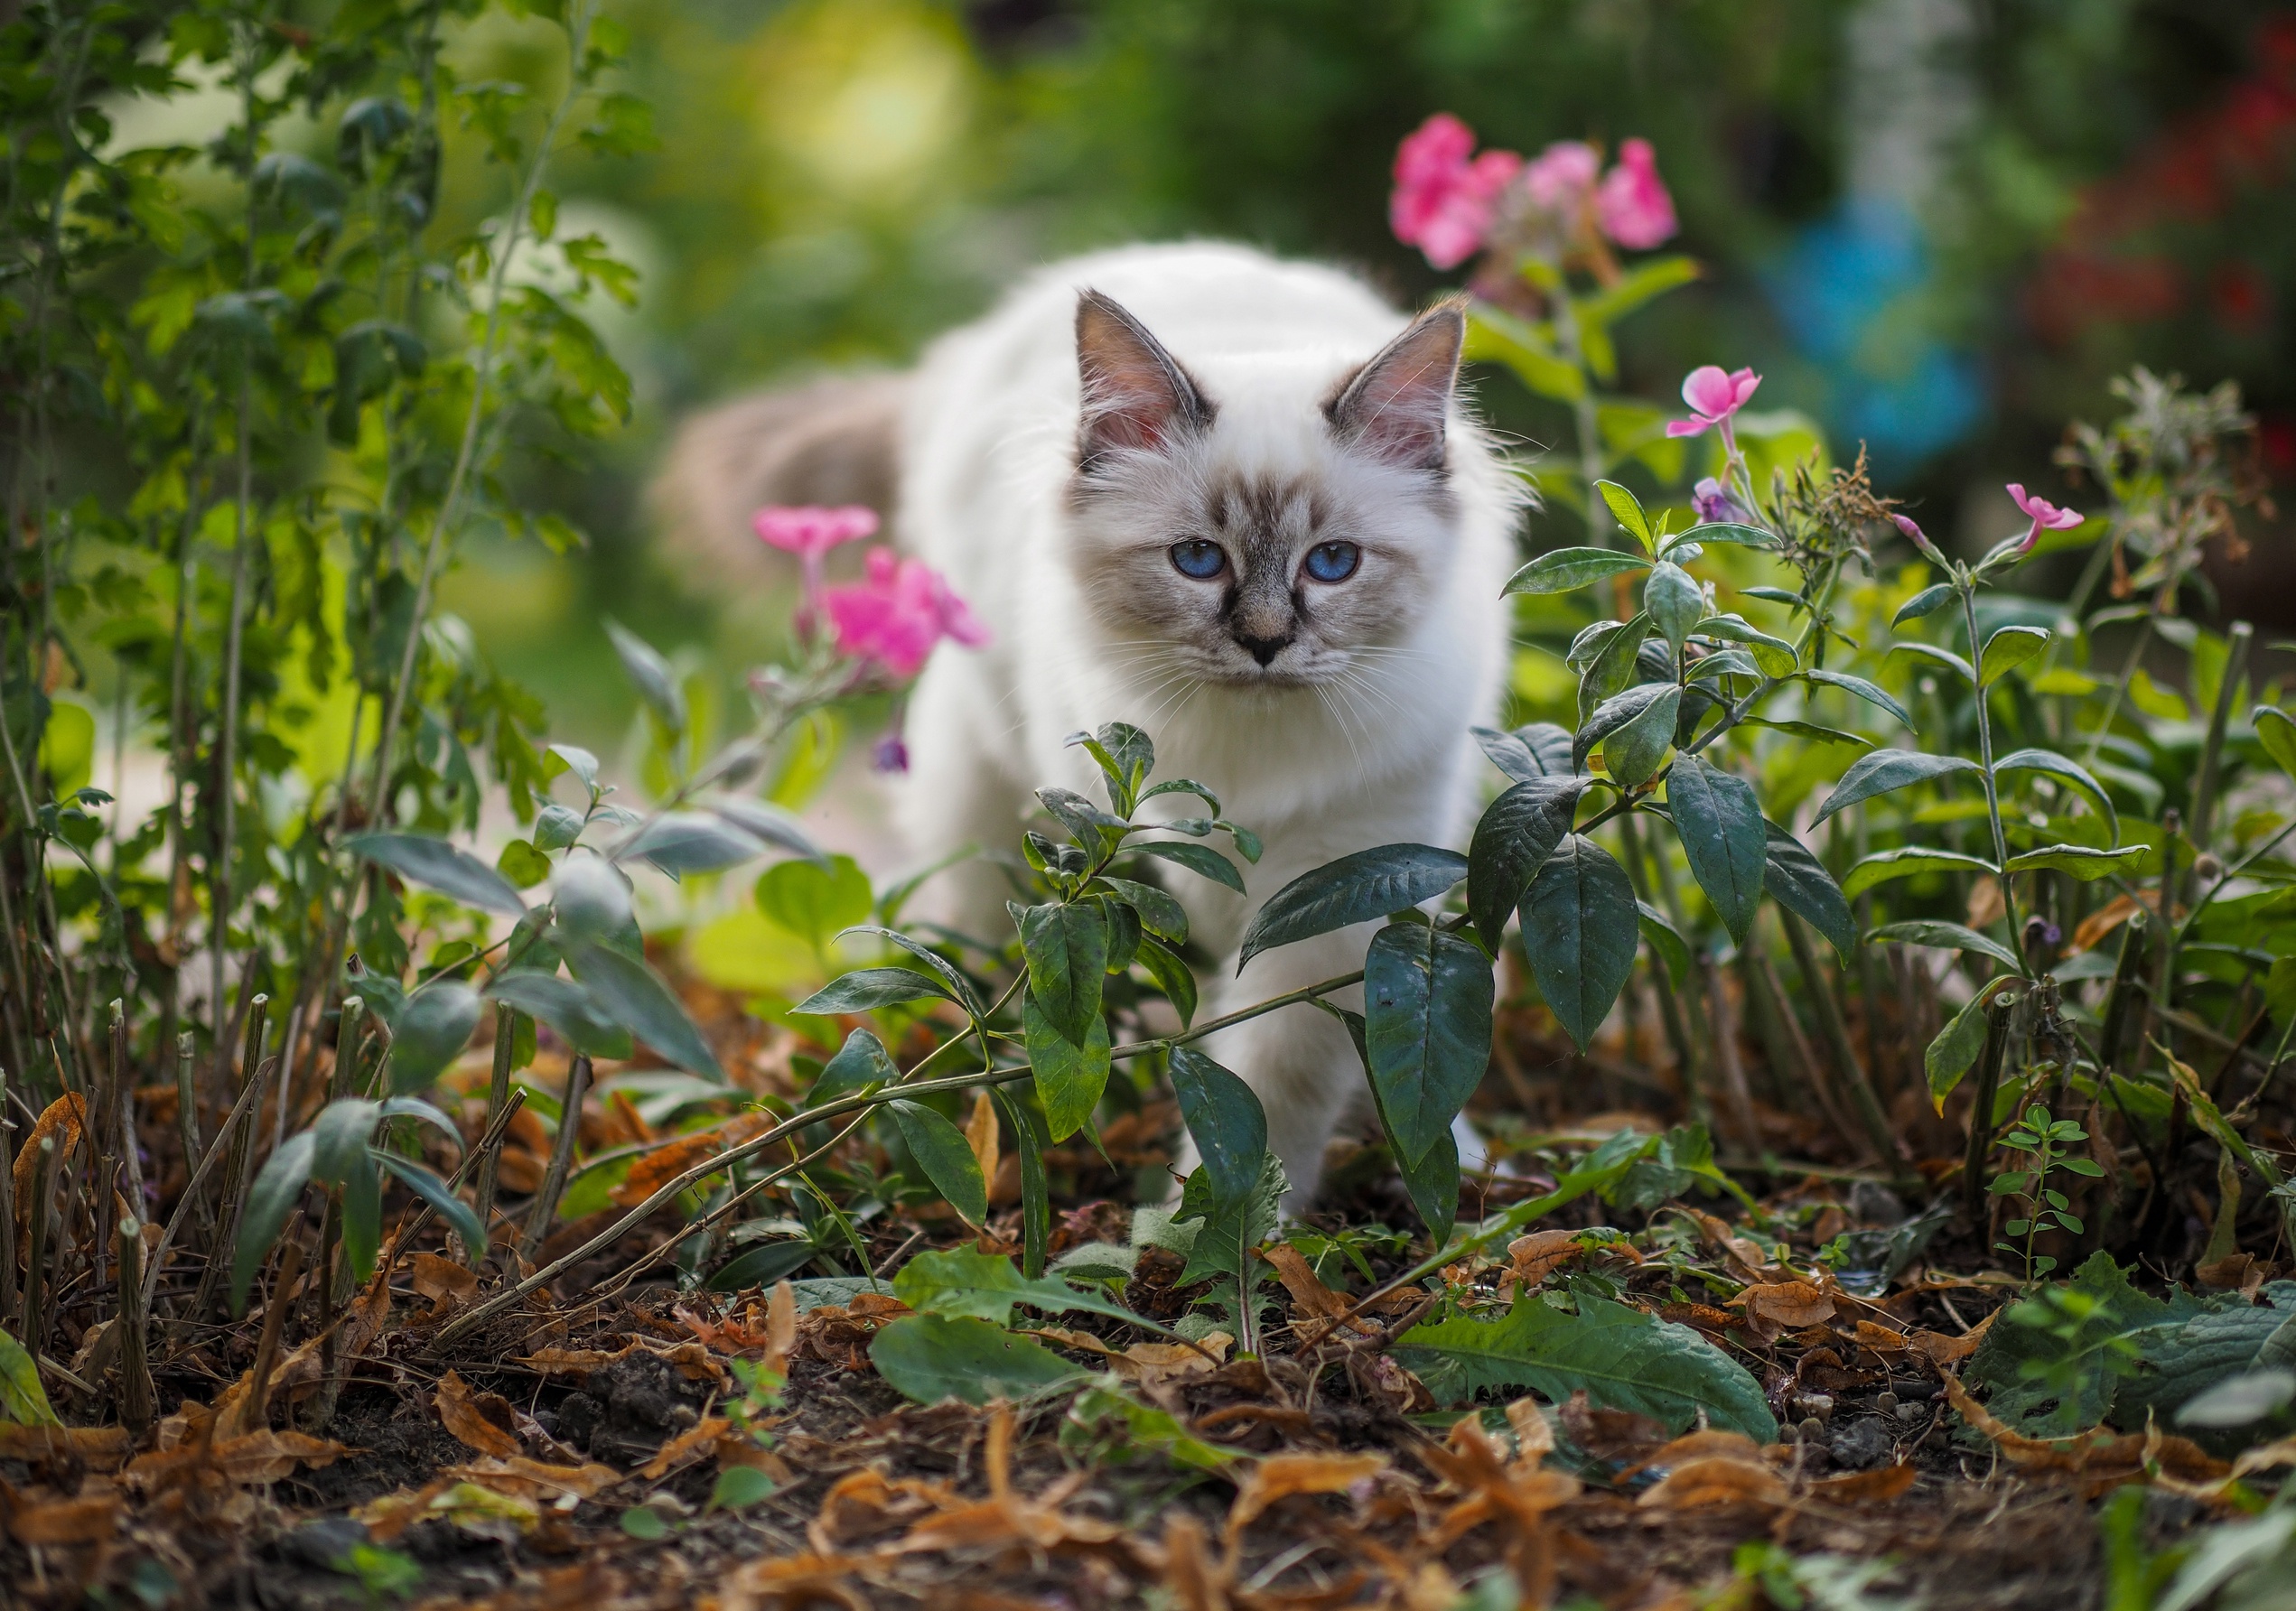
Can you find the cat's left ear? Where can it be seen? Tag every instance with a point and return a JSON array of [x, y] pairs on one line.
[[1394, 406]]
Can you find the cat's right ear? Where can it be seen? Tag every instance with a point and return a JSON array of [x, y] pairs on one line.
[[1135, 394]]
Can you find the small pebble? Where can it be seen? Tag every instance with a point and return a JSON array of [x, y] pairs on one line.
[[1813, 1430], [1887, 1403], [1910, 1413]]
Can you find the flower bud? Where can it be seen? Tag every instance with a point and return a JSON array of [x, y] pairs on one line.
[[2207, 868], [1920, 539]]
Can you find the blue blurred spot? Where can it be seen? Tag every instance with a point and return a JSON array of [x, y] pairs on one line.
[[1850, 291]]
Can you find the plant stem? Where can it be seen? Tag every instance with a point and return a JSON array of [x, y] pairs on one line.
[[1836, 1034], [1981, 1115], [544, 1207], [1992, 791]]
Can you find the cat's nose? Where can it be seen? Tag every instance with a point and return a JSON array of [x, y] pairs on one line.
[[1263, 649]]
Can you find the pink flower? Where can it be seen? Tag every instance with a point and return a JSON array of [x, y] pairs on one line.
[[1712, 501], [896, 617], [1633, 207], [1442, 199], [2044, 515], [809, 532], [1559, 177], [1919, 538], [1713, 398]]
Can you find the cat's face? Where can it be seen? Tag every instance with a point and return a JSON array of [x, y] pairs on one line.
[[1270, 531]]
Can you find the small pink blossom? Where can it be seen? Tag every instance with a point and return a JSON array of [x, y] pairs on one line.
[[2045, 515], [810, 531], [1559, 177], [1715, 396], [1443, 195], [1632, 207], [1919, 538], [1712, 501], [896, 617]]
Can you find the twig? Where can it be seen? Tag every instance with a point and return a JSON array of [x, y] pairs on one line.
[[545, 1207]]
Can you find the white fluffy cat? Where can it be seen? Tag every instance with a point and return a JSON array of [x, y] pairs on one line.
[[1236, 502]]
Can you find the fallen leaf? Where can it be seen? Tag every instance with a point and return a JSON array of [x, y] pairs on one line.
[[1708, 1444], [1877, 1486], [1194, 1578], [1148, 1364], [89, 1520], [1617, 1436], [1310, 1298], [1516, 1494], [1280, 1476], [1531, 1259], [447, 1284], [64, 1118], [102, 1448], [665, 1164], [1941, 1350], [2101, 922], [792, 1580], [1775, 1307], [2098, 1456], [568, 1362], [982, 1136], [867, 1503], [696, 1440], [1714, 1479], [781, 1325], [1743, 1257], [485, 1421]]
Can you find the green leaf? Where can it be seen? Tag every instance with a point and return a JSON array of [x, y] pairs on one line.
[[362, 1206], [1160, 914], [1640, 284], [1666, 940], [1432, 1185], [656, 683], [2081, 860], [1067, 948], [23, 1400], [1612, 664], [2008, 648], [686, 842], [1036, 1198], [942, 1151], [1516, 833], [1937, 657], [1905, 861], [764, 1264], [1631, 751], [1947, 937], [1623, 1358], [1539, 750], [1720, 822], [1674, 602], [1799, 881], [1615, 712], [1224, 1117], [1954, 1050], [522, 864], [1628, 509], [2276, 731], [434, 1191], [431, 1031], [1355, 889], [1427, 1028], [1069, 1074], [1928, 602], [1090, 826], [1872, 693], [637, 999], [864, 990], [272, 1198], [1564, 569], [566, 1007], [1810, 732], [2050, 762], [1887, 769], [2045, 1385], [340, 1136], [1172, 975], [966, 1283], [931, 1357], [1217, 1238], [814, 902], [1201, 860], [1775, 657], [1579, 927], [440, 866], [1735, 532], [738, 1487], [1496, 337]]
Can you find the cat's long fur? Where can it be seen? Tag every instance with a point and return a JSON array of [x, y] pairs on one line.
[[1250, 414]]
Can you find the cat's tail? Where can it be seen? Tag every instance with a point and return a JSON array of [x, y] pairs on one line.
[[833, 441]]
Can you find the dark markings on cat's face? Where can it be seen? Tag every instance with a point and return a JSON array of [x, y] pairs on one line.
[[1202, 561]]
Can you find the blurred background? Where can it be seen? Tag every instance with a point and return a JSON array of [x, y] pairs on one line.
[[1937, 226]]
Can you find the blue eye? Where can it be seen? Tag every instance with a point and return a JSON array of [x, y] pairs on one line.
[[1200, 559], [1333, 562]]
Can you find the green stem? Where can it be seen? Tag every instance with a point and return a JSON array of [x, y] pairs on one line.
[[1993, 792]]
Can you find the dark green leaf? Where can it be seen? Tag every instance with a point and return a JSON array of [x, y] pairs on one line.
[[2276, 731], [770, 823], [960, 989], [2058, 766], [1427, 1027], [1432, 1185], [1632, 752], [340, 1136], [1871, 692], [1907, 861], [1565, 569], [636, 998], [1201, 859], [1666, 940], [1947, 936], [1720, 822], [1628, 511], [439, 865], [1773, 657], [942, 1151], [685, 842], [762, 1265], [1069, 1075], [1355, 889], [864, 990], [1066, 947], [1610, 672], [1887, 769], [1937, 657], [2081, 860], [1725, 531], [931, 1357], [1224, 1117], [1172, 975], [1517, 831], [434, 1191], [2008, 648], [1623, 1358], [860, 1063], [965, 1282], [1615, 712], [1673, 601], [1541, 750], [1036, 1198], [431, 1031], [1160, 914], [1800, 883], [1580, 925], [566, 1007], [272, 1198], [1928, 602], [1092, 827]]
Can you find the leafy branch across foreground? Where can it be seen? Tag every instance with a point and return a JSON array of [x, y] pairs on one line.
[[309, 1103]]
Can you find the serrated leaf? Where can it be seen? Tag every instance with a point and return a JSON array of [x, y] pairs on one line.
[[931, 1357], [2008, 648], [2083, 861], [1622, 1358], [1799, 881], [1719, 822], [438, 865], [1885, 770], [1564, 569], [1580, 922], [1516, 833], [941, 1151], [1427, 1029], [1225, 1119], [1905, 861], [1871, 692], [2047, 1385], [1070, 1075], [1356, 888], [635, 997], [965, 1282]]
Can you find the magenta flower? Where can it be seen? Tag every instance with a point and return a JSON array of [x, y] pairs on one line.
[[1444, 194], [888, 755], [1559, 177], [1714, 397], [896, 617], [1919, 538], [2044, 515], [1712, 501], [809, 532], [1632, 207]]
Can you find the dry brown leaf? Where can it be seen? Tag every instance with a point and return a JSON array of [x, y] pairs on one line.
[[1775, 1307], [259, 1456], [568, 1362], [792, 1580], [780, 1327], [2101, 922], [665, 1164], [1531, 1259], [1280, 1476], [1880, 1338], [867, 1502], [1518, 1494], [1618, 1436], [1193, 1577], [1878, 1486], [90, 1519], [2241, 1272], [63, 1119], [484, 1421], [1941, 1350], [690, 1444], [2098, 1456], [1714, 1479], [1534, 1434], [1386, 1376], [1985, 907], [981, 1134], [1743, 1256], [447, 1284], [485, 1494], [102, 1448], [1148, 1364], [1708, 1444], [1310, 1298]]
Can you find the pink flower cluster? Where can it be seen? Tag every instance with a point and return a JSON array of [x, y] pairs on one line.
[[893, 619], [1447, 199]]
